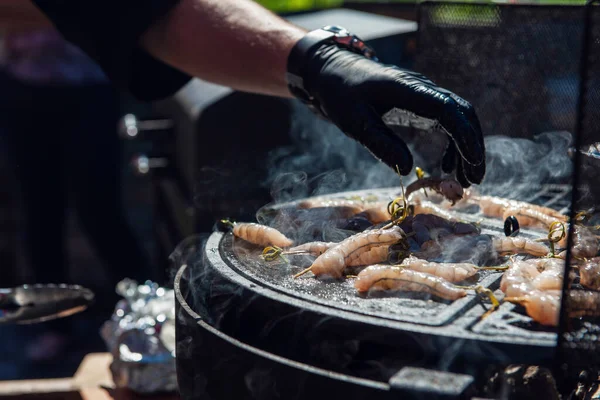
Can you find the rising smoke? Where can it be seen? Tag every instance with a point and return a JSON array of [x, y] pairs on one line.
[[524, 163], [323, 160]]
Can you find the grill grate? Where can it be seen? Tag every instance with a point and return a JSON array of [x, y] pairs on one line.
[[260, 303], [405, 307]]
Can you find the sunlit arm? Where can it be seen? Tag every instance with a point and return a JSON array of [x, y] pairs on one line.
[[236, 43]]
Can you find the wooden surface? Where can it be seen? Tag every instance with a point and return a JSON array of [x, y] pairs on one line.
[[92, 381]]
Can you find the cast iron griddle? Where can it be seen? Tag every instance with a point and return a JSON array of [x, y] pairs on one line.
[[340, 294], [410, 311]]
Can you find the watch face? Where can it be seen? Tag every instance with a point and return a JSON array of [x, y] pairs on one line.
[[338, 30]]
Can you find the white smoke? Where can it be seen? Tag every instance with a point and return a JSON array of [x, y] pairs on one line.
[[323, 160], [524, 163]]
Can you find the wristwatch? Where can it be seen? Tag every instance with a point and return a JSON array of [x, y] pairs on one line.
[[297, 60]]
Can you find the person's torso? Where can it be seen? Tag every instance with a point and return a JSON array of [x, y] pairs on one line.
[[43, 57]]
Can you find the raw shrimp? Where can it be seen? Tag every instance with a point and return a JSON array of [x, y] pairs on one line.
[[271, 253], [518, 280], [589, 274], [519, 245], [374, 256], [499, 207], [312, 248], [490, 206], [375, 215], [333, 261], [387, 277], [542, 306], [452, 272], [261, 235], [552, 271], [355, 205], [449, 188], [427, 207], [585, 242], [532, 217], [533, 274]]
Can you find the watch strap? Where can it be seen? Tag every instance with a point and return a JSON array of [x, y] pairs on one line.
[[297, 61], [301, 52]]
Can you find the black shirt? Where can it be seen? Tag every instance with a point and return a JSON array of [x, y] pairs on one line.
[[109, 32]]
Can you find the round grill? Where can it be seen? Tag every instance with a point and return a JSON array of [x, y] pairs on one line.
[[329, 325]]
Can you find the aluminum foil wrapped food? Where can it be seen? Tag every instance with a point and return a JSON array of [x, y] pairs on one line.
[[141, 337]]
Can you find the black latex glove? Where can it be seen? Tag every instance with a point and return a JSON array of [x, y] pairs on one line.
[[354, 93]]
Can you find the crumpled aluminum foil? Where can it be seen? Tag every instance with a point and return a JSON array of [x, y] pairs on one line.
[[141, 337]]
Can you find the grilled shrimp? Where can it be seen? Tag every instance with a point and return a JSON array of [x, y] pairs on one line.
[[452, 272], [552, 271], [449, 188], [589, 274], [499, 207], [387, 277], [355, 205], [312, 248], [585, 242], [427, 207], [542, 306], [518, 280], [261, 235], [490, 206], [374, 256], [519, 245], [533, 274], [532, 216], [333, 261], [376, 214]]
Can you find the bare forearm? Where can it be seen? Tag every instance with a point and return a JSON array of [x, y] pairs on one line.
[[236, 43]]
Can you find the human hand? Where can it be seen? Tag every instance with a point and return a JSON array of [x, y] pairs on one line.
[[355, 92]]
